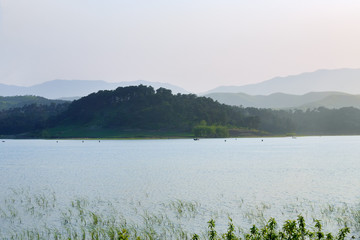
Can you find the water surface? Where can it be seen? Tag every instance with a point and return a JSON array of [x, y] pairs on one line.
[[219, 174]]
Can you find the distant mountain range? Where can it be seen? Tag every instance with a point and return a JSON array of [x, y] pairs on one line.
[[339, 80], [286, 101], [320, 87], [71, 89]]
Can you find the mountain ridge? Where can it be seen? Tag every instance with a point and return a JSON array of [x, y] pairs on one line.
[[58, 88], [287, 101], [337, 80], [324, 80]]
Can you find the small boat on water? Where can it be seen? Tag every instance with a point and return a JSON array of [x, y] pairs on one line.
[[196, 139]]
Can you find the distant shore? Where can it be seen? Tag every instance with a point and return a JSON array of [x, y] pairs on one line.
[[159, 137]]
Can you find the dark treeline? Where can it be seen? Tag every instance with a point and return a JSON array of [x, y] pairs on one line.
[[29, 118], [143, 108], [318, 121], [327, 121], [20, 101]]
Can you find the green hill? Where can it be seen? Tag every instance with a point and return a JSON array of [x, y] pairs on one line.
[[20, 101], [142, 109]]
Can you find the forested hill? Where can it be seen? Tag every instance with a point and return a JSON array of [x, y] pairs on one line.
[[20, 101], [141, 107], [140, 111]]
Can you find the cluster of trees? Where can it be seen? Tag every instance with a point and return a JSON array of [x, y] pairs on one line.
[[143, 108], [317, 121], [29, 118], [326, 121], [203, 130], [20, 101]]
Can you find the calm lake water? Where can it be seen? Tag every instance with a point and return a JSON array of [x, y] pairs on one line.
[[283, 175]]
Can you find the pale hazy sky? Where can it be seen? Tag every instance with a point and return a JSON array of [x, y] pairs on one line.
[[195, 44]]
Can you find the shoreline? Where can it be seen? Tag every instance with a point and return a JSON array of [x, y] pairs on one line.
[[171, 137]]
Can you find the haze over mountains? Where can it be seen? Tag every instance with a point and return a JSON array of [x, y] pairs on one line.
[[338, 80], [322, 88], [328, 88], [57, 89], [286, 101]]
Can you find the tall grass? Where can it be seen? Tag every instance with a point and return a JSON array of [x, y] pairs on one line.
[[27, 215]]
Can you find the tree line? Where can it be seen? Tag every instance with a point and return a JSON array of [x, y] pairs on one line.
[[143, 108]]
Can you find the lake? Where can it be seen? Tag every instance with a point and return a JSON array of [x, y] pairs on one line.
[[245, 178]]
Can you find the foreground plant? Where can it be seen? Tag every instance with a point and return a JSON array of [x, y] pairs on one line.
[[98, 229], [291, 230]]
